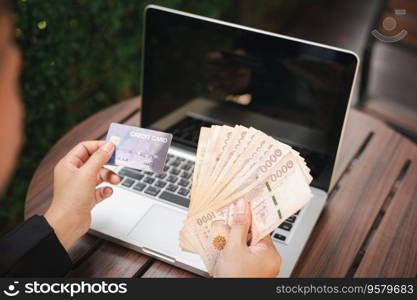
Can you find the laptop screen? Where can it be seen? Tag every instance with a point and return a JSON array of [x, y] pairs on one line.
[[198, 72]]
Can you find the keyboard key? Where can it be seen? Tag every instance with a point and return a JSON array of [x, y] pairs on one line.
[[160, 184], [129, 173], [172, 178], [128, 182], [172, 187], [186, 166], [183, 191], [175, 171], [291, 219], [183, 182], [161, 175], [149, 173], [174, 198], [139, 186], [286, 226], [151, 190], [174, 163], [121, 178], [166, 168], [279, 237], [138, 176], [186, 175], [149, 180]]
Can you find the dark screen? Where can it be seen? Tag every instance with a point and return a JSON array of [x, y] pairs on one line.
[[299, 83]]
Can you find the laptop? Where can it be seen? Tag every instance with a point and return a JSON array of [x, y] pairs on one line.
[[198, 72]]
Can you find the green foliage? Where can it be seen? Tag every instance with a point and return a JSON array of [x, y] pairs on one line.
[[80, 56]]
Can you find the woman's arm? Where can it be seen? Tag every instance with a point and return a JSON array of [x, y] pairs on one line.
[[33, 249]]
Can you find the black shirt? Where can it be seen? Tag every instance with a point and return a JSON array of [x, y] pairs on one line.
[[33, 250]]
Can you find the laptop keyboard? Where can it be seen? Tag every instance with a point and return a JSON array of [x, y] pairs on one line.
[[174, 184], [283, 231]]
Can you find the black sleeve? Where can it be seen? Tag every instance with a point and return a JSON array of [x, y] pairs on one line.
[[33, 250]]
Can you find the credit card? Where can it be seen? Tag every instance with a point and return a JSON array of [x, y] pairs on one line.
[[138, 148]]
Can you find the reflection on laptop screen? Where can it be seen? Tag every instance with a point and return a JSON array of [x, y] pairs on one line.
[[198, 73]]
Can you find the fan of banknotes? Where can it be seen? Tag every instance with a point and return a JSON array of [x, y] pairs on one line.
[[236, 163]]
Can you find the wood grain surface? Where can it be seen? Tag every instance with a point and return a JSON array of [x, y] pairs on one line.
[[393, 250], [162, 270], [353, 207]]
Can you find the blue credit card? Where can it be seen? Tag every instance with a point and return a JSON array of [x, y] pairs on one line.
[[138, 148]]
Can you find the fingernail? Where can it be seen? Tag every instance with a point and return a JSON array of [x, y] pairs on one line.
[[108, 192], [107, 147], [240, 206]]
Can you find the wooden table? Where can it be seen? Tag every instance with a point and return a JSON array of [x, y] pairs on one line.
[[368, 228]]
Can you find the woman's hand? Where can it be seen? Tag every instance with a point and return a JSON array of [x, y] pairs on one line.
[[75, 179], [237, 259]]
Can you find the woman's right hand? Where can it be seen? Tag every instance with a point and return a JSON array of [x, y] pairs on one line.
[[76, 177], [237, 259]]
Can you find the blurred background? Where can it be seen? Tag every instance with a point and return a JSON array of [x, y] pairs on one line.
[[81, 56]]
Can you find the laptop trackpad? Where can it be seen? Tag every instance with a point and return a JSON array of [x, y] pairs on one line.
[[159, 230]]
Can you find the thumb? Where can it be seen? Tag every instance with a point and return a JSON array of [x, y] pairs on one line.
[[103, 193], [99, 158], [263, 245], [241, 220]]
